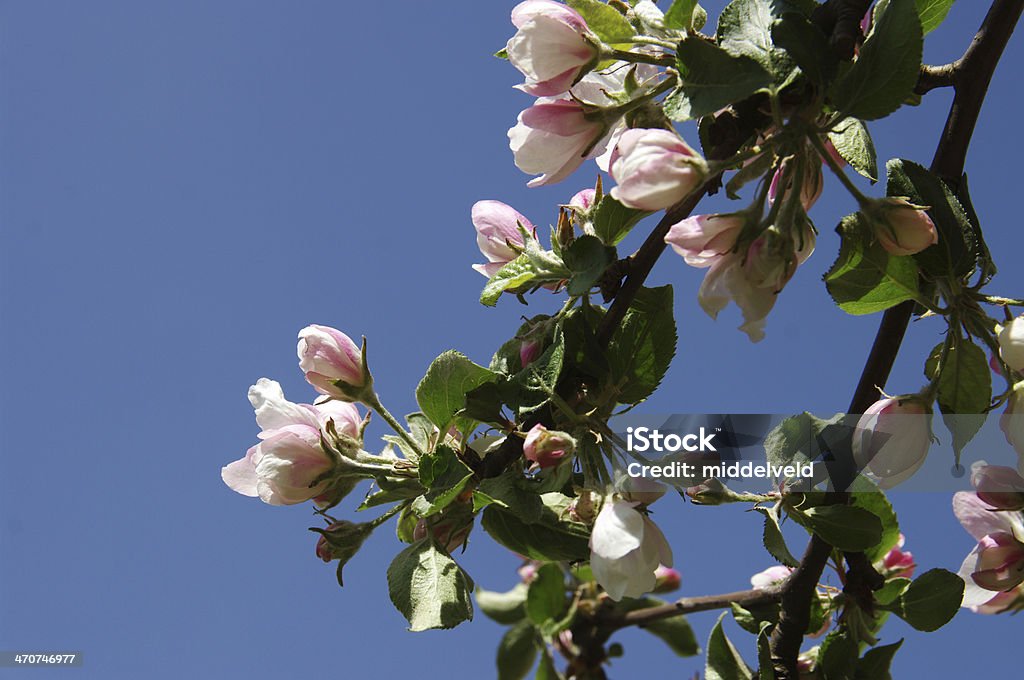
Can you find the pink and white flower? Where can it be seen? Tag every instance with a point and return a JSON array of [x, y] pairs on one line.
[[553, 46], [626, 549], [770, 577], [553, 137], [282, 467], [1012, 421], [703, 239], [892, 439], [998, 486], [996, 565], [1011, 343], [328, 357], [655, 169], [899, 562], [497, 225]]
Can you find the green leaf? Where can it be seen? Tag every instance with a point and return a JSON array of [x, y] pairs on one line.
[[796, 439], [444, 477], [745, 30], [887, 65], [546, 668], [507, 490], [549, 540], [536, 383], [502, 53], [837, 656], [932, 600], [724, 662], [957, 252], [875, 663], [875, 502], [713, 79], [853, 142], [892, 589], [606, 22], [442, 392], [613, 221], [865, 278], [847, 527], [932, 13], [808, 47], [517, 651], [681, 15], [765, 668], [965, 389], [674, 632], [429, 588], [545, 598], [506, 608], [774, 542], [752, 619], [587, 258], [515, 275], [642, 347]]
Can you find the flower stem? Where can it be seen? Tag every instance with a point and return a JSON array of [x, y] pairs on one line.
[[639, 57], [373, 401], [836, 170]]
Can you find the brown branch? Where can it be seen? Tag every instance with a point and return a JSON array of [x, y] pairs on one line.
[[932, 77], [971, 77], [702, 603]]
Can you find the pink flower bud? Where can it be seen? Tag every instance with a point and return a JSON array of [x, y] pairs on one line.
[[892, 439], [810, 188], [655, 169], [552, 138], [702, 238], [772, 576], [528, 571], [496, 226], [328, 356], [993, 363], [553, 47], [898, 562], [583, 199], [903, 229], [528, 352], [1000, 564], [1011, 343], [1001, 487], [448, 533], [770, 262], [547, 448], [667, 579]]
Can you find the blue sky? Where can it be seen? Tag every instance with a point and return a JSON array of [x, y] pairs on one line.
[[183, 186]]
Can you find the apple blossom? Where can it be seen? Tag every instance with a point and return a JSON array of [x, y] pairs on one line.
[[626, 549], [547, 448], [996, 564], [1011, 343], [770, 577], [655, 169], [998, 486], [583, 200], [810, 189], [331, 361], [892, 438], [1012, 420], [450, 534], [753, 279], [528, 352], [898, 562], [901, 227], [552, 138], [701, 239], [497, 225], [666, 579], [553, 46], [284, 467]]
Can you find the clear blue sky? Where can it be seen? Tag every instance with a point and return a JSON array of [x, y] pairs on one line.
[[185, 185]]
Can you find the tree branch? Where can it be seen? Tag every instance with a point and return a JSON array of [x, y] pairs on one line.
[[971, 76], [702, 603]]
